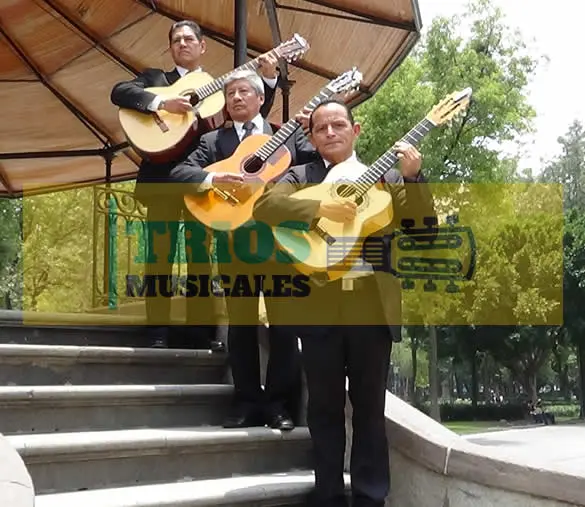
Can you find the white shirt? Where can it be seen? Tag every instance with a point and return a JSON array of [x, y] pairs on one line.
[[339, 173]]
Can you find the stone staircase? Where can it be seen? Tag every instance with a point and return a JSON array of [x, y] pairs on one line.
[[107, 426]]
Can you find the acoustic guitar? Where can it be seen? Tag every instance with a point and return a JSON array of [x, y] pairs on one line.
[[329, 250], [259, 158], [161, 136]]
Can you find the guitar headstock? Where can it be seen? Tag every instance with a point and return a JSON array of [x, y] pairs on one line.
[[346, 82], [292, 49], [449, 107]]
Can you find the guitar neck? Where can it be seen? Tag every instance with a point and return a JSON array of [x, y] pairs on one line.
[[389, 159], [288, 129], [217, 84]]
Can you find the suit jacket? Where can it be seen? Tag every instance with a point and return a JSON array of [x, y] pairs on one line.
[[132, 95], [411, 200]]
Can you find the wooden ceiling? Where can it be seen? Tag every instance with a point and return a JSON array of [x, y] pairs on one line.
[[59, 60]]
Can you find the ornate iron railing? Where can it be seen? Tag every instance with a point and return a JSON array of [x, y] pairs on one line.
[[119, 234]]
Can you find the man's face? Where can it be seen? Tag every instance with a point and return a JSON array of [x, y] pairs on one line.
[[186, 49], [242, 101], [332, 134]]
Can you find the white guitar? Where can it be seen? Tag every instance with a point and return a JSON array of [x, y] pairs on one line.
[[330, 249]]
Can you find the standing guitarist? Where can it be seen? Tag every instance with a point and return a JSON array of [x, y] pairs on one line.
[[252, 406], [154, 182], [344, 325]]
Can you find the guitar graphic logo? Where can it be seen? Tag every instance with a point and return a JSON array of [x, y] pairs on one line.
[[433, 253], [430, 254]]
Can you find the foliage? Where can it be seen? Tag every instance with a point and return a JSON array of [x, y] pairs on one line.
[[494, 61]]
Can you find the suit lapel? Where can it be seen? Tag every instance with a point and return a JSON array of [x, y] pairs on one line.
[[227, 141]]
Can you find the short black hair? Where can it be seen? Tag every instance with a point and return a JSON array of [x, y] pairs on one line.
[[331, 101], [191, 24]]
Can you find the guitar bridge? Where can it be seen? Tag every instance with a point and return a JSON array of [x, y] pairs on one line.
[[226, 196]]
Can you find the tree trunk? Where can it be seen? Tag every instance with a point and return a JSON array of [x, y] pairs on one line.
[[458, 387], [581, 353], [564, 382], [474, 383], [529, 384], [434, 375], [412, 386]]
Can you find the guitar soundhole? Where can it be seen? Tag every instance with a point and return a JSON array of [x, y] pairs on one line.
[[346, 191], [194, 99], [253, 165]]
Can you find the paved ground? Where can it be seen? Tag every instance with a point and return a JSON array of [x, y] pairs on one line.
[[560, 448]]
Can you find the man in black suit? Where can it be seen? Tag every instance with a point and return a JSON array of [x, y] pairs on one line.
[[344, 326], [253, 406], [164, 203]]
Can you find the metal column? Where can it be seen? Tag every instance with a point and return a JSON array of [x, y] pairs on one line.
[[241, 35]]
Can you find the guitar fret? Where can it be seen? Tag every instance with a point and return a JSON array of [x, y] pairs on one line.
[[389, 159], [289, 128]]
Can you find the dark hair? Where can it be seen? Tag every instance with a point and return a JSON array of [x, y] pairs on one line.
[[331, 101], [191, 24]]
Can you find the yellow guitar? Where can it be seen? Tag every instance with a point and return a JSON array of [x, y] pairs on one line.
[[161, 136], [330, 249]]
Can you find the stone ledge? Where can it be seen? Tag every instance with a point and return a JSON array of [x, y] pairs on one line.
[[99, 354], [432, 446], [43, 448], [256, 490], [18, 396], [16, 487]]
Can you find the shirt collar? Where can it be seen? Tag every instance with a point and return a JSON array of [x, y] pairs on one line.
[[258, 122], [182, 70], [353, 158]]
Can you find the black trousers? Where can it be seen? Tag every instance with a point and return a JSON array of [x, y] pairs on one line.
[[362, 354], [282, 388], [163, 218]]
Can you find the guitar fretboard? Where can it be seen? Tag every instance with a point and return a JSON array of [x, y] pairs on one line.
[[217, 84], [389, 159], [288, 129]]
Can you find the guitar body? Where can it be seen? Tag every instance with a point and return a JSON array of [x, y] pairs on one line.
[[226, 210], [311, 253], [162, 136]]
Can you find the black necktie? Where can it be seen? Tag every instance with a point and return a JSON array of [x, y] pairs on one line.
[[248, 127]]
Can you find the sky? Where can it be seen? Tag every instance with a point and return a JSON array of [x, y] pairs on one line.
[[556, 92]]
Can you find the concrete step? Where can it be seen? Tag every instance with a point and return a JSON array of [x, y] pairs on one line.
[[56, 365], [285, 489], [86, 329], [46, 409], [87, 460]]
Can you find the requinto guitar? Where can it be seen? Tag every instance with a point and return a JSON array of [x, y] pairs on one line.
[[260, 159], [161, 136], [328, 250]]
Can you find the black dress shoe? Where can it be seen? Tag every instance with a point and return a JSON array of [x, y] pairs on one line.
[[217, 346], [281, 421], [243, 420], [159, 343]]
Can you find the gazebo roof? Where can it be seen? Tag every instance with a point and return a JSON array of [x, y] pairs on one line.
[[60, 58]]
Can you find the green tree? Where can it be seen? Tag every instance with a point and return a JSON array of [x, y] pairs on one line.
[[10, 253], [494, 61], [569, 168]]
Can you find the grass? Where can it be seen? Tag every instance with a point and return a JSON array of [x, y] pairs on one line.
[[467, 427]]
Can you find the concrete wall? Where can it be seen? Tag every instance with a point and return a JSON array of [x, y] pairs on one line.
[[16, 487], [434, 467]]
